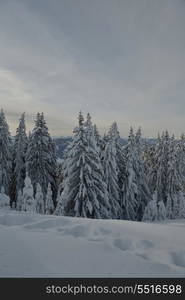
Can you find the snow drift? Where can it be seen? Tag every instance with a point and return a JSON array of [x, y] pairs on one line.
[[33, 245]]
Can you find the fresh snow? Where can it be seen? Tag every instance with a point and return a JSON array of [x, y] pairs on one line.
[[34, 245]]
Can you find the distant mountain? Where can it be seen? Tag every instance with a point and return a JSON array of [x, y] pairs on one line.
[[61, 144]]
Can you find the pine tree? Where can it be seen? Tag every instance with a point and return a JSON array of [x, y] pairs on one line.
[[130, 187], [161, 211], [29, 204], [41, 156], [144, 194], [4, 199], [151, 211], [49, 201], [19, 205], [162, 167], [5, 154], [174, 179], [39, 198], [19, 159], [111, 178], [97, 137], [136, 193], [85, 193], [114, 135]]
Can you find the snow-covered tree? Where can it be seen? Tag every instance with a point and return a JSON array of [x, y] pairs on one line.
[[174, 179], [154, 211], [41, 156], [151, 211], [136, 193], [130, 187], [161, 167], [4, 199], [161, 211], [85, 192], [28, 198], [144, 194], [39, 198], [111, 178], [19, 157], [5, 154], [19, 204], [114, 135], [49, 201], [181, 212], [97, 137]]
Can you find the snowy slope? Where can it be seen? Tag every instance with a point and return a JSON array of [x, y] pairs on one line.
[[34, 245]]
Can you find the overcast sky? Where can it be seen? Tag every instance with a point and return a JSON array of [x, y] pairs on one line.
[[120, 60]]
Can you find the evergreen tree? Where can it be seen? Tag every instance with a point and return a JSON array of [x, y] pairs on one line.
[[136, 193], [5, 154], [41, 156], [29, 204], [144, 194], [111, 178], [162, 168], [19, 157], [85, 193], [4, 199], [49, 201], [19, 205], [130, 187], [151, 211], [39, 198], [174, 179], [97, 137], [120, 155]]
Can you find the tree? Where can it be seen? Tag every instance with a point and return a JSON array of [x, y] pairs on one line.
[[97, 137], [174, 180], [5, 154], [19, 205], [4, 199], [41, 157], [114, 135], [39, 198], [144, 194], [136, 193], [19, 158], [130, 187], [49, 201], [111, 178], [162, 159], [151, 211], [29, 204], [85, 192]]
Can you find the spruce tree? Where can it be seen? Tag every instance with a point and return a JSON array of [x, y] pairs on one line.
[[49, 201], [130, 187], [19, 159], [29, 204], [5, 154], [85, 193], [174, 180], [19, 205], [41, 157], [39, 199], [111, 178]]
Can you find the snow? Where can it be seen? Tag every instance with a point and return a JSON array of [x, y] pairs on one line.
[[34, 245]]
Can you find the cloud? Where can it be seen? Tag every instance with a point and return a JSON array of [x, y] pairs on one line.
[[120, 60]]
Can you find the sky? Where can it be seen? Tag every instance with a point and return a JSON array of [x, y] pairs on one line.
[[120, 60]]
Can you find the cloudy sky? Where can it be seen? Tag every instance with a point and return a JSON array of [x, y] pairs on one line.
[[120, 60]]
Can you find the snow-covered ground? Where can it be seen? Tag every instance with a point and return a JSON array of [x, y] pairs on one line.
[[49, 246]]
